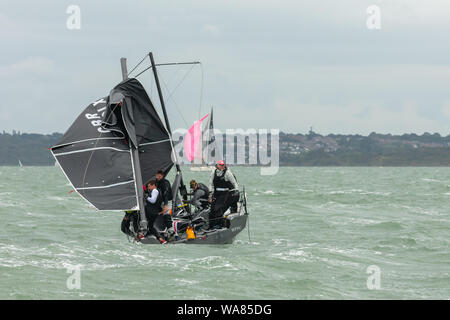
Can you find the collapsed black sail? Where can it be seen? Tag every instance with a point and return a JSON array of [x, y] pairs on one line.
[[144, 128], [95, 153]]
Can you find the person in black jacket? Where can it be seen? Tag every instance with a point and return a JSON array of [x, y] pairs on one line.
[[131, 217], [153, 207], [223, 194], [164, 186]]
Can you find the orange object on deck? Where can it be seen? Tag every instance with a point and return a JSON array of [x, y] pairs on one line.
[[190, 233]]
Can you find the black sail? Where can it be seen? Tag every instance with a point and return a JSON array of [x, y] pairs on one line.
[[95, 152], [144, 128]]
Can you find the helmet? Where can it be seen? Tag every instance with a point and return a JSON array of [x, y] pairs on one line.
[[192, 184]]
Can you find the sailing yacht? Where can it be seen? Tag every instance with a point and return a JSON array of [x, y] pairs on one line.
[[117, 144]]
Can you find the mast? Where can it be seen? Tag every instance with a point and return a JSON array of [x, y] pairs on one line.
[[123, 65], [136, 164], [183, 190]]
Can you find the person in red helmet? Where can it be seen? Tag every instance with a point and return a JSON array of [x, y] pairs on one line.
[[224, 194]]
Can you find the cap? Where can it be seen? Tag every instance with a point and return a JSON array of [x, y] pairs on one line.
[[220, 162]]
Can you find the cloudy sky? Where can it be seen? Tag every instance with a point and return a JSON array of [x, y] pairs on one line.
[[286, 64]]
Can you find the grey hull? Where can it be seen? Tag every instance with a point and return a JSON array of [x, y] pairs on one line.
[[237, 223]]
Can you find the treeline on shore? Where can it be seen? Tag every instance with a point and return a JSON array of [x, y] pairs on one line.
[[310, 149], [30, 148]]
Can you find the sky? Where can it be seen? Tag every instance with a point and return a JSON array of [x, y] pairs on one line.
[[287, 65]]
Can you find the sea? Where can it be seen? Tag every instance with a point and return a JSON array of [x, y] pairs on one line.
[[313, 233]]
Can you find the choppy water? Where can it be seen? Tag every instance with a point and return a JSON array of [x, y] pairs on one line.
[[314, 232]]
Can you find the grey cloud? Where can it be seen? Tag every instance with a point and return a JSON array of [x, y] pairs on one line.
[[267, 64]]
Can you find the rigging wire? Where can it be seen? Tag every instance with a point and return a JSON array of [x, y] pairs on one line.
[[171, 93], [166, 64], [174, 74], [142, 71], [179, 83], [201, 93], [174, 102], [137, 64]]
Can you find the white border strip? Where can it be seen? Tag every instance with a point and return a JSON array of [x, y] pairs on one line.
[[155, 142], [90, 149], [107, 186], [65, 144]]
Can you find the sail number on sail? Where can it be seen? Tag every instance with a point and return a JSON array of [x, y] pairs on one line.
[[96, 119]]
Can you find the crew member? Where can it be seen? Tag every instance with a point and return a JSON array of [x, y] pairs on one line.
[[153, 208], [224, 194], [200, 195], [164, 186], [130, 217]]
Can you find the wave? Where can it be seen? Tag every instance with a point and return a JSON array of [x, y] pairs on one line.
[[403, 241], [387, 225], [359, 191], [431, 180]]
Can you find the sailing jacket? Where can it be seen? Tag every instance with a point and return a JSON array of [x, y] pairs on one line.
[[221, 180], [201, 192], [154, 202], [166, 190]]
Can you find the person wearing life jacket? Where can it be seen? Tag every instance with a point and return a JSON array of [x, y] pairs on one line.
[[153, 208], [164, 186], [200, 195], [224, 194], [166, 192], [130, 217]]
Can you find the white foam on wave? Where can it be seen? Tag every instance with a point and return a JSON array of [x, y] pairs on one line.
[[294, 255], [280, 242], [359, 191], [349, 220], [209, 263], [186, 282], [431, 180], [56, 198]]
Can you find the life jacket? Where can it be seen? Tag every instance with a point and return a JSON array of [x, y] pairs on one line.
[[156, 207], [201, 186], [220, 182], [164, 186]]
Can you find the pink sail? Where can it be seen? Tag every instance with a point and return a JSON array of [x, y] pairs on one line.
[[192, 140]]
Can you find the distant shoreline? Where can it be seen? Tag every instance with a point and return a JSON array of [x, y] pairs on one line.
[[295, 150]]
